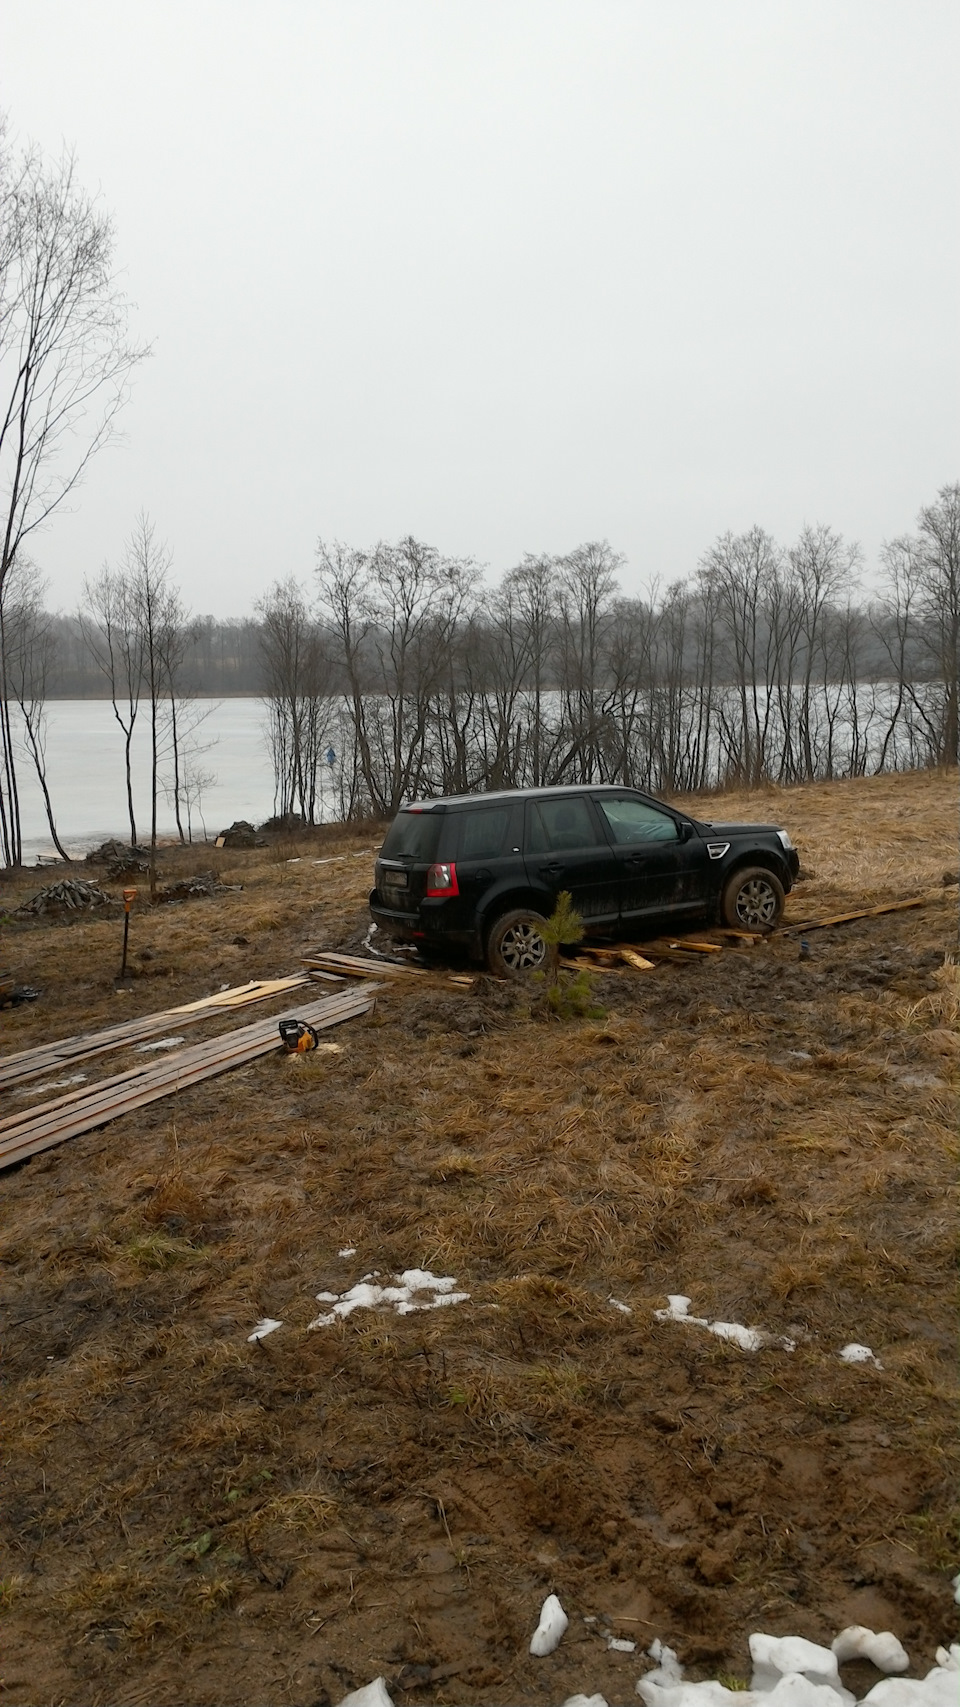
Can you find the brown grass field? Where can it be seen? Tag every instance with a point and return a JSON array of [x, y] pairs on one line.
[[191, 1517]]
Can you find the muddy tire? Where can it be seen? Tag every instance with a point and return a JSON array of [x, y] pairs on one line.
[[516, 946], [752, 900]]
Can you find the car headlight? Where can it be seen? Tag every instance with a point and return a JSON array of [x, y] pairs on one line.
[[784, 839]]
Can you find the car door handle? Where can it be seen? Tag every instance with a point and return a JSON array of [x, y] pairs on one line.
[[552, 870]]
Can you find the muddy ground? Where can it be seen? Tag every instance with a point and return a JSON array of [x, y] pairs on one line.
[[193, 1517]]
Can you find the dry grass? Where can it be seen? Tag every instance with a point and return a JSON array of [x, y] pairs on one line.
[[774, 1137]]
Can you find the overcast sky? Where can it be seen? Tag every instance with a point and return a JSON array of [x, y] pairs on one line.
[[509, 275]]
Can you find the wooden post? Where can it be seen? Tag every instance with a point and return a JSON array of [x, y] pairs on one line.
[[129, 896]]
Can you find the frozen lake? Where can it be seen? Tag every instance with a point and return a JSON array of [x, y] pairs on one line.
[[86, 776]]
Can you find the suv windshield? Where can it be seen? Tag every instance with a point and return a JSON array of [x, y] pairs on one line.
[[412, 835]]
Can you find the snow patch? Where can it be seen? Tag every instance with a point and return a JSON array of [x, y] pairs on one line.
[[858, 1643], [664, 1686], [414, 1289], [348, 1251], [854, 1353], [371, 1695], [668, 1673], [776, 1657], [748, 1339], [618, 1306], [263, 1328], [553, 1623], [161, 1043], [620, 1645], [52, 1085]]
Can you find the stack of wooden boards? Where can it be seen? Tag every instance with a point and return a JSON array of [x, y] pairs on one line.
[[322, 963], [94, 1105], [682, 949], [51, 1057]]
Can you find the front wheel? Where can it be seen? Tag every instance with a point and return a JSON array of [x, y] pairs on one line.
[[752, 900], [516, 945]]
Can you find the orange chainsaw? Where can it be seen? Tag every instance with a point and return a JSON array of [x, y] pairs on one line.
[[297, 1036]]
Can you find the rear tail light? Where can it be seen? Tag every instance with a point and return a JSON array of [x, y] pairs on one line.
[[442, 880]]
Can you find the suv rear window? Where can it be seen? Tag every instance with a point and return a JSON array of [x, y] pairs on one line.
[[483, 832], [413, 835], [555, 826]]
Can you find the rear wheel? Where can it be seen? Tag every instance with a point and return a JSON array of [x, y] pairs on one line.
[[752, 900], [516, 945]]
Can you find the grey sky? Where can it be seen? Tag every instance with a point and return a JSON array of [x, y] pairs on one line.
[[510, 275]]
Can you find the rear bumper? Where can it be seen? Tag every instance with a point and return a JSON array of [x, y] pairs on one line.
[[427, 926]]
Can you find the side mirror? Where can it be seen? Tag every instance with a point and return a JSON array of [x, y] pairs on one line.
[[686, 830]]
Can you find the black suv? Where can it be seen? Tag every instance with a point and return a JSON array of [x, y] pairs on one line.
[[484, 870]]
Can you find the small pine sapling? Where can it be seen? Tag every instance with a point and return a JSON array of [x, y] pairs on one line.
[[567, 997]]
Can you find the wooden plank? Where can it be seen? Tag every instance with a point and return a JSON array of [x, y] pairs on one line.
[[662, 951], [849, 918], [692, 947], [40, 1128], [49, 1057], [601, 969], [344, 971], [256, 991], [357, 966], [637, 961], [145, 1072]]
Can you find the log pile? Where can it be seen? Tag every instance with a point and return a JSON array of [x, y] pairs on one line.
[[184, 888], [69, 895]]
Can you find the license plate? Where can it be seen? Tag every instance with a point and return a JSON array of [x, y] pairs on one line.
[[395, 880]]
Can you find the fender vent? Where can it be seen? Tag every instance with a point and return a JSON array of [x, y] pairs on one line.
[[716, 850]]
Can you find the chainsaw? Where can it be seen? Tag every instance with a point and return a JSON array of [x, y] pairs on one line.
[[297, 1036]]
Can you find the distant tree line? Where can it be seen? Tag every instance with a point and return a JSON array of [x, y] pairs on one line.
[[766, 664], [221, 658], [402, 673]]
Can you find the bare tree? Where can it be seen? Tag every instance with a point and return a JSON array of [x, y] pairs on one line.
[[588, 583], [65, 366], [395, 615], [528, 606], [939, 526], [741, 575], [114, 634], [29, 646], [158, 613], [823, 573], [299, 696]]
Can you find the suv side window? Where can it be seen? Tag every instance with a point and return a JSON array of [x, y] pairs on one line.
[[556, 826], [483, 832], [630, 820]]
